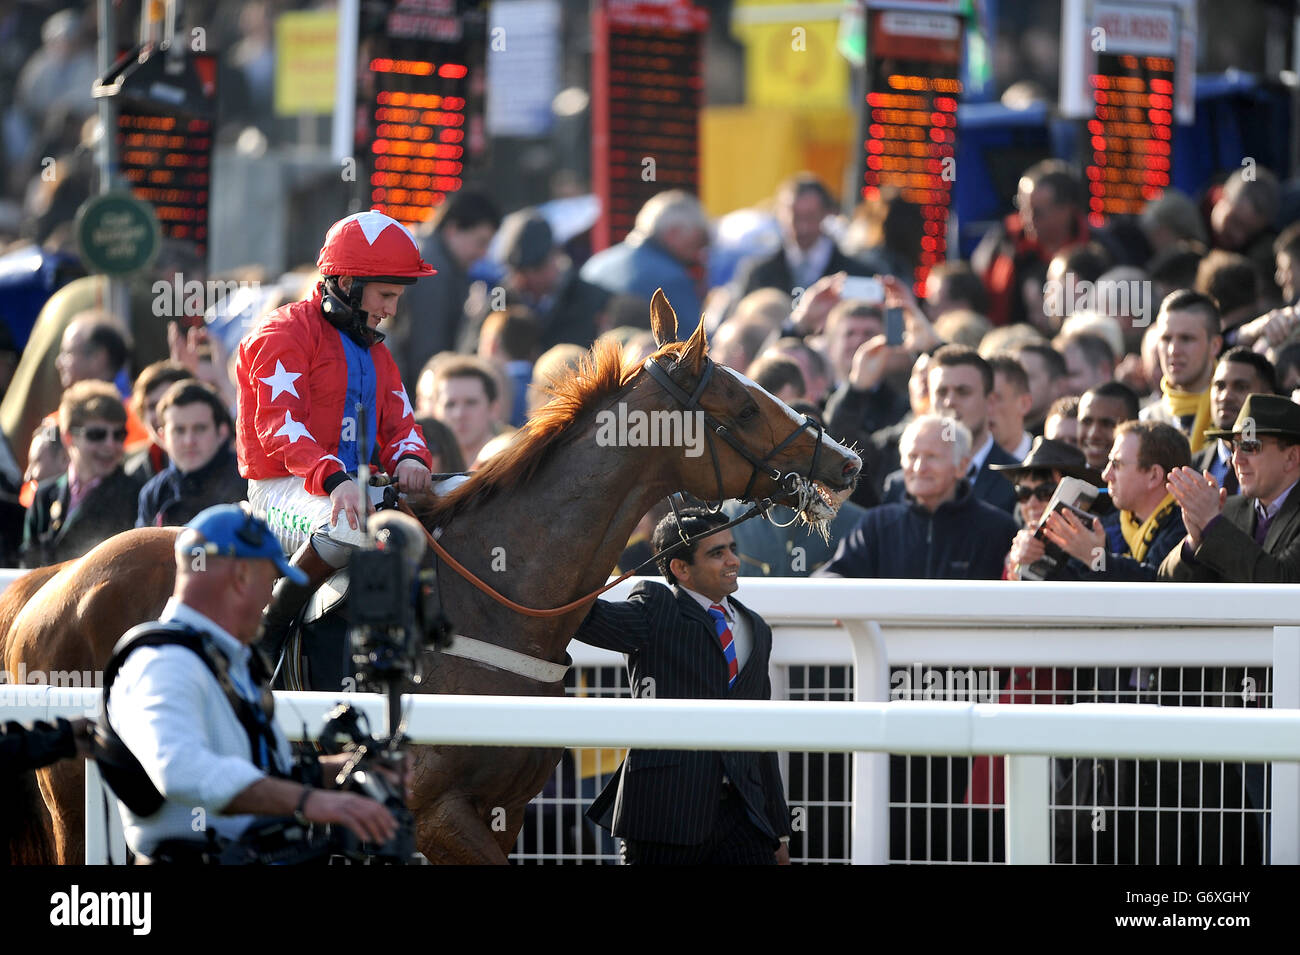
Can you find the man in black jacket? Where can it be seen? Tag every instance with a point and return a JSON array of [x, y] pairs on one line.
[[203, 468], [694, 641], [806, 252], [942, 530], [95, 499]]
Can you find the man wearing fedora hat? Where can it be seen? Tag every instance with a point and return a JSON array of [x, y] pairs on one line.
[[1253, 537]]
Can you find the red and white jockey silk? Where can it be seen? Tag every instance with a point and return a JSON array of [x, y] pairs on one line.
[[292, 375]]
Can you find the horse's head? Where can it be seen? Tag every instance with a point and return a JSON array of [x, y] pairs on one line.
[[740, 440]]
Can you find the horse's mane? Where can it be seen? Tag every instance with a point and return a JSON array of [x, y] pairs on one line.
[[601, 373]]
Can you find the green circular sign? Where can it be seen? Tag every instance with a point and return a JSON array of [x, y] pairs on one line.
[[117, 233]]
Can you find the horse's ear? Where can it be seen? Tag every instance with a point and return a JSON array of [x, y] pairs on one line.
[[697, 346], [663, 320]]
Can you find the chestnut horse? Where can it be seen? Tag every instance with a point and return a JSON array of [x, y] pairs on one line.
[[558, 506]]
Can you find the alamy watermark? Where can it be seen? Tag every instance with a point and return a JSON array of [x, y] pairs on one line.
[[48, 687], [1118, 298], [929, 683], [179, 298], [635, 428]]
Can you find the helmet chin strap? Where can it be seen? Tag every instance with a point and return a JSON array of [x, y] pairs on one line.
[[343, 310]]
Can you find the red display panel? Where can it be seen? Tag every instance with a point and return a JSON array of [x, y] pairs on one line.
[[647, 92], [420, 116], [910, 119], [167, 160], [1130, 133]]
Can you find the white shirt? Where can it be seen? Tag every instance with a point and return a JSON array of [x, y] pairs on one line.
[[1023, 448], [172, 714], [807, 267], [740, 633]]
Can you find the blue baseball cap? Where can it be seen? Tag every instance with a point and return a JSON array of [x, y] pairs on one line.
[[233, 530]]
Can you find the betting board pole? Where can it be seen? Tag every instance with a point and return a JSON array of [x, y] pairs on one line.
[[343, 130], [1127, 72], [909, 115], [116, 296]]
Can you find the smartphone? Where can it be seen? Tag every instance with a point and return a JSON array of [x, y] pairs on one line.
[[861, 287], [894, 327]]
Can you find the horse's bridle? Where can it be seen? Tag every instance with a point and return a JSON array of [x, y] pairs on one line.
[[791, 482]]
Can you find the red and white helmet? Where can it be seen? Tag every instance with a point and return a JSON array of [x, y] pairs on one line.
[[372, 245]]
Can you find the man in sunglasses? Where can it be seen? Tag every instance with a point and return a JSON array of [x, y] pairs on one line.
[[1253, 537], [95, 498]]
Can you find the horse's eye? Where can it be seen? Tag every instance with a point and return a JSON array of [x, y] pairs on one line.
[[749, 413]]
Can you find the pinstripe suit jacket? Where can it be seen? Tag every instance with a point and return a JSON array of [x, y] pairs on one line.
[[673, 796]]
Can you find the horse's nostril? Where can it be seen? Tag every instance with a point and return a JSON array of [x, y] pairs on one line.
[[852, 468]]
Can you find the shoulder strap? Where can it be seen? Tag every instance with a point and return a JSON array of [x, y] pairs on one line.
[[121, 770]]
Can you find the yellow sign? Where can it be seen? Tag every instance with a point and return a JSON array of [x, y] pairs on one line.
[[790, 55], [306, 50]]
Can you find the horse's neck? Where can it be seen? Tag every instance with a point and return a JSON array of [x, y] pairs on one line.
[[554, 539]]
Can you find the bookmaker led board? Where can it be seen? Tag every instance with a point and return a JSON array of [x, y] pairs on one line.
[[910, 118], [647, 91], [166, 110], [167, 160], [420, 90], [1127, 76]]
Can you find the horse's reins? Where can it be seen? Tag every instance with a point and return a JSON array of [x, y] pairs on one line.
[[691, 403]]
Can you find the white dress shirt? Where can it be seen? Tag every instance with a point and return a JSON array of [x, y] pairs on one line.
[[807, 267], [740, 633], [169, 710]]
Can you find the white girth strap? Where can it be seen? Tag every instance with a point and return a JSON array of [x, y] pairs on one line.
[[544, 671]]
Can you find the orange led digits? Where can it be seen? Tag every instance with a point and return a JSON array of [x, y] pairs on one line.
[[1131, 131]]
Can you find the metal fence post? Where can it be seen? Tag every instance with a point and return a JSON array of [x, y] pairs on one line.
[[99, 840], [1029, 827], [1284, 803], [870, 839]]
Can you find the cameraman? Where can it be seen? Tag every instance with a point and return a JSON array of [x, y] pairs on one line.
[[187, 702]]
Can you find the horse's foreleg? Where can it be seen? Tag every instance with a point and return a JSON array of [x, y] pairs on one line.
[[63, 788], [451, 832]]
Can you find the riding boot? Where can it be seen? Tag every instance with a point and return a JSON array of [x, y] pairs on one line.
[[288, 599]]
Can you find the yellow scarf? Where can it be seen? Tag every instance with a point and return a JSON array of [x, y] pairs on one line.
[[1183, 403], [1139, 537]]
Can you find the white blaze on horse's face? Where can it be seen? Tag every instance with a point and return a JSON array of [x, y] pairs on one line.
[[823, 504]]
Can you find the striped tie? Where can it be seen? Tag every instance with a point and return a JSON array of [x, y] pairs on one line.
[[724, 637]]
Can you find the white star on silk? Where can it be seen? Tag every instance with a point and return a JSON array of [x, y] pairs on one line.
[[406, 402], [282, 381], [293, 430], [412, 438], [374, 223]]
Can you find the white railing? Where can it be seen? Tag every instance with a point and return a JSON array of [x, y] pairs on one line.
[[873, 625]]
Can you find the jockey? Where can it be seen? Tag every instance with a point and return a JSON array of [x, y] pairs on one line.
[[313, 381]]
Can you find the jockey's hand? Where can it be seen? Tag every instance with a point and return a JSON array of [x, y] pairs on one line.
[[346, 498], [413, 476]]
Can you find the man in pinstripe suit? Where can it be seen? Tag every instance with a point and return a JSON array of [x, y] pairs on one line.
[[689, 807]]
